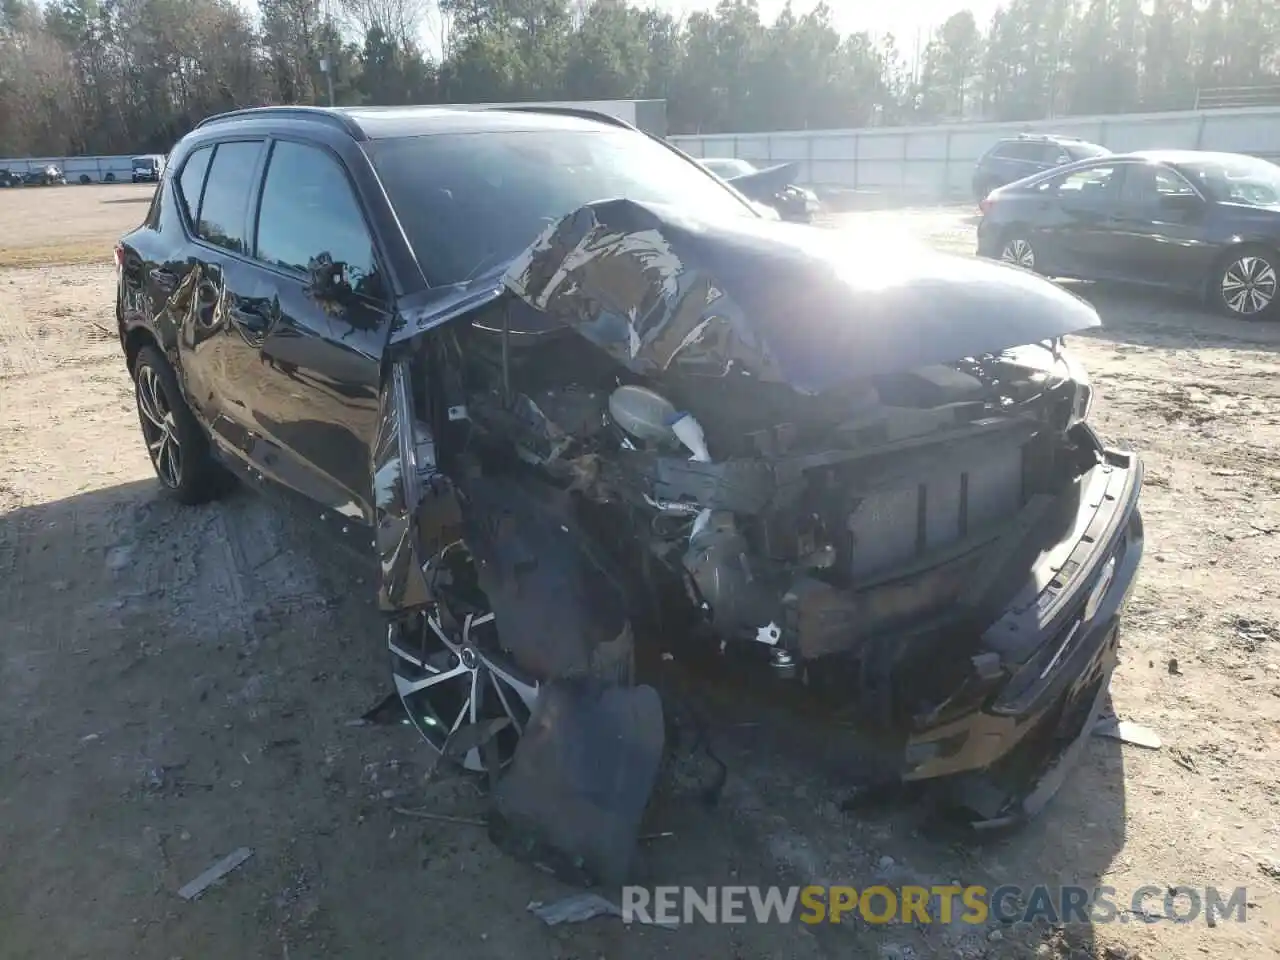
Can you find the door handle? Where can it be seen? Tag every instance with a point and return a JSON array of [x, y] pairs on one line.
[[166, 280]]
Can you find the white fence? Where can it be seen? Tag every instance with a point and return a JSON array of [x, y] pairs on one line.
[[937, 162], [78, 169]]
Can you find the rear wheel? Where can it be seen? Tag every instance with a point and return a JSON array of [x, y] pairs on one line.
[[1246, 284], [177, 447], [1016, 249]]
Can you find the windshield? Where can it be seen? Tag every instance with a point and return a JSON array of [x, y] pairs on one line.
[[470, 201], [728, 167], [1231, 179], [1083, 151], [147, 162]]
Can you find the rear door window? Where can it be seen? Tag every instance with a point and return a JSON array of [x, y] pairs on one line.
[[225, 205], [1020, 150]]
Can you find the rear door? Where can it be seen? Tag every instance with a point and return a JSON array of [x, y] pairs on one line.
[[1015, 159], [1074, 233], [306, 357], [214, 281]]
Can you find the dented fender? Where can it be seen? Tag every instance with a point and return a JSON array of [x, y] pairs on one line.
[[416, 509]]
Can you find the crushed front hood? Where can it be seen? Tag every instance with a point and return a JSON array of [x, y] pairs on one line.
[[787, 303]]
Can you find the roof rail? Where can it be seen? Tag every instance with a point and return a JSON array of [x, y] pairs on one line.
[[332, 117], [580, 112]]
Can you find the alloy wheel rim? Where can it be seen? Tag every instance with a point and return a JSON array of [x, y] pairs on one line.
[[1249, 286], [159, 428], [1019, 252], [448, 683]]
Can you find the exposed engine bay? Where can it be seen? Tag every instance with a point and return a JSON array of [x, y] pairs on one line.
[[789, 520], [878, 485]]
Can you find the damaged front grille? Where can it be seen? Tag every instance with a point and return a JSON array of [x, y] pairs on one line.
[[886, 528]]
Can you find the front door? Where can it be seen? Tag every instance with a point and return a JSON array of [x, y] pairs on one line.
[[1159, 228]]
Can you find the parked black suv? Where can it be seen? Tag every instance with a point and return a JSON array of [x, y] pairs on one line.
[[1017, 157], [584, 405]]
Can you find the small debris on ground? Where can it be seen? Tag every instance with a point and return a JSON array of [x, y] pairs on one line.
[[215, 873], [441, 817], [1173, 666], [1127, 732], [574, 909]]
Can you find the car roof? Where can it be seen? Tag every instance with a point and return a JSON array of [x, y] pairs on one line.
[[1058, 138], [1185, 156], [378, 123]]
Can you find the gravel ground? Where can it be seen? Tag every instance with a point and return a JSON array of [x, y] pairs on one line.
[[179, 683]]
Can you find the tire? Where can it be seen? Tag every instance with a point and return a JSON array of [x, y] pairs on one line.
[[1016, 248], [175, 443], [84, 179], [1246, 284], [109, 178]]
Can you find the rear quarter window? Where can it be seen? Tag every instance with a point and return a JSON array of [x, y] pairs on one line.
[[191, 183]]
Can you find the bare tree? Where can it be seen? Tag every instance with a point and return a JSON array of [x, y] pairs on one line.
[[399, 20]]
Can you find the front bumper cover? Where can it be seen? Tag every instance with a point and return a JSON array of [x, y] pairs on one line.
[[1046, 662]]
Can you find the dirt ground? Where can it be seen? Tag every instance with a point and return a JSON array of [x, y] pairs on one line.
[[177, 683]]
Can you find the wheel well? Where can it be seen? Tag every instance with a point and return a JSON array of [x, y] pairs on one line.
[[134, 341], [1235, 250]]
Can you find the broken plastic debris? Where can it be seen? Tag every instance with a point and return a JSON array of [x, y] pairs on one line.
[[215, 873], [1127, 732], [574, 909], [579, 907], [689, 431], [769, 634]]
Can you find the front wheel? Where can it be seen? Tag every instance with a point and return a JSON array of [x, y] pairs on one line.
[[456, 681], [177, 447], [1245, 284]]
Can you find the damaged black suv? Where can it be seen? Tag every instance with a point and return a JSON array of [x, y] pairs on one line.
[[584, 401]]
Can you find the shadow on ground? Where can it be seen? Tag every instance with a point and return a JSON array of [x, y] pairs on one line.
[[181, 682], [1170, 321]]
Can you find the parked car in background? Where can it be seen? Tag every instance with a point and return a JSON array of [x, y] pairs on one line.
[[1016, 157], [147, 169], [770, 186], [575, 398], [10, 178], [46, 176], [1207, 224]]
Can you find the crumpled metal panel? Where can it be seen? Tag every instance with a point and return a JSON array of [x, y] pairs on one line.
[[561, 612], [660, 291], [415, 505]]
